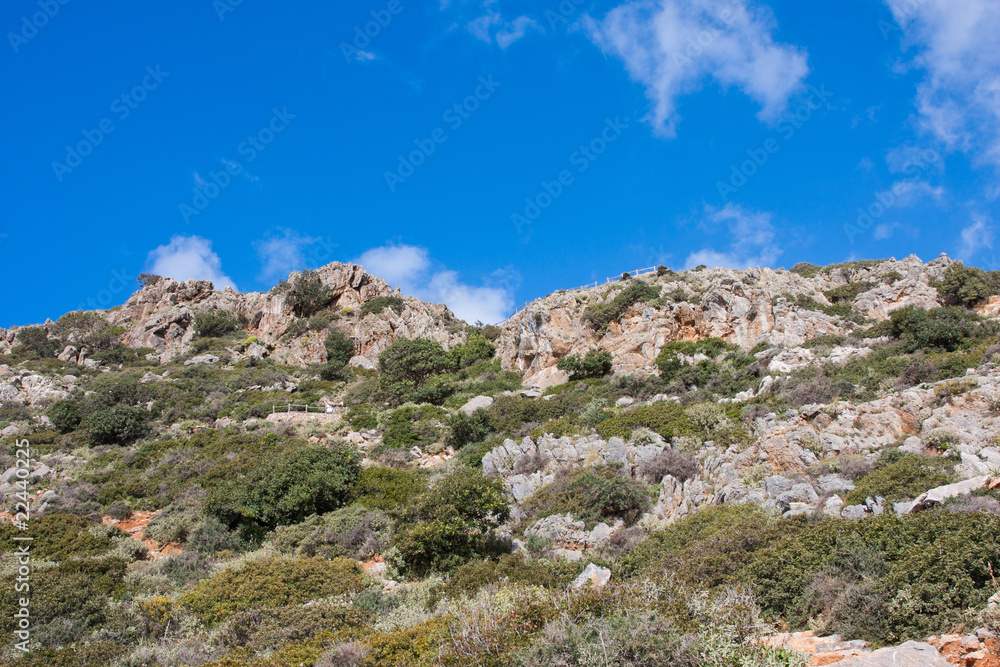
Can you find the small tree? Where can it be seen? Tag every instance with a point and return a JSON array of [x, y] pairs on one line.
[[475, 348], [65, 415], [595, 364], [307, 294], [339, 349], [968, 286], [406, 364]]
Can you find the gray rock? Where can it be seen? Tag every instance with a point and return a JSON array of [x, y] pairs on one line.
[[357, 361], [615, 451], [854, 512], [477, 403], [833, 505], [775, 485], [531, 393], [940, 494], [568, 554], [593, 575], [875, 505], [624, 401], [910, 654], [202, 359], [834, 483]]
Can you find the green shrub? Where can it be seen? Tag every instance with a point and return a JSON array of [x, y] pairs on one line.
[[387, 489], [35, 341], [118, 425], [466, 429], [412, 427], [667, 419], [269, 629], [512, 569], [217, 323], [452, 522], [311, 480], [807, 270], [351, 532], [847, 293], [339, 349], [595, 364], [476, 348], [380, 303], [968, 286], [938, 329], [902, 478], [65, 415], [407, 364], [94, 654], [669, 361], [591, 495], [306, 293], [362, 417], [599, 316], [272, 582], [58, 537]]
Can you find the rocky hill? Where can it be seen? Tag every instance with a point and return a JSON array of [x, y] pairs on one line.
[[789, 467]]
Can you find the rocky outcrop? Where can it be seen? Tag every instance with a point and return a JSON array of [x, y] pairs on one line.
[[742, 307]]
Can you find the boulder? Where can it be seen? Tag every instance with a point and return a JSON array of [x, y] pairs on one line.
[[593, 575], [940, 494], [476, 403], [910, 654]]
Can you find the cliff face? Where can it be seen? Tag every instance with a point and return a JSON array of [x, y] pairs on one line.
[[741, 307]]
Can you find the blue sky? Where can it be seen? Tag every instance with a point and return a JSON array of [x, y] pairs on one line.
[[486, 153]]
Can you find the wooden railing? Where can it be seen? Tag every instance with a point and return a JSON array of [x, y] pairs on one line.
[[292, 407]]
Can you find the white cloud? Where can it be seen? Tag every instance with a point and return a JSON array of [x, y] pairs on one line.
[[280, 255], [492, 26], [187, 257], [976, 237], [411, 269], [958, 102], [885, 230], [751, 240], [673, 46]]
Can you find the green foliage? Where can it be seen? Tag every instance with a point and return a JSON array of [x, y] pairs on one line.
[[351, 532], [412, 427], [667, 419], [845, 294], [339, 349], [362, 417], [217, 323], [306, 293], [591, 495], [595, 364], [387, 489], [452, 522], [58, 537], [96, 654], [669, 358], [512, 569], [476, 348], [118, 425], [466, 429], [272, 582], [269, 629], [599, 316], [807, 270], [65, 415], [35, 341], [310, 480], [968, 286], [380, 303], [897, 478], [406, 364], [946, 328]]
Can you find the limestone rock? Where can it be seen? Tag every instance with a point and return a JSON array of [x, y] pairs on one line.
[[593, 575], [476, 403], [910, 654]]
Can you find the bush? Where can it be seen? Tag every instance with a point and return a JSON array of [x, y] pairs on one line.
[[118, 425], [667, 419], [901, 478], [595, 364], [475, 575], [591, 495], [59, 537], [452, 522], [269, 629], [119, 510], [65, 415], [968, 286], [669, 358], [599, 316], [380, 303], [386, 489], [466, 429], [475, 348], [272, 582], [938, 329], [339, 349], [351, 532], [216, 323], [407, 364], [669, 462], [306, 293], [35, 341], [311, 480]]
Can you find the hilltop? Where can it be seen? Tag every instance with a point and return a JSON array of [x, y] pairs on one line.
[[774, 466]]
